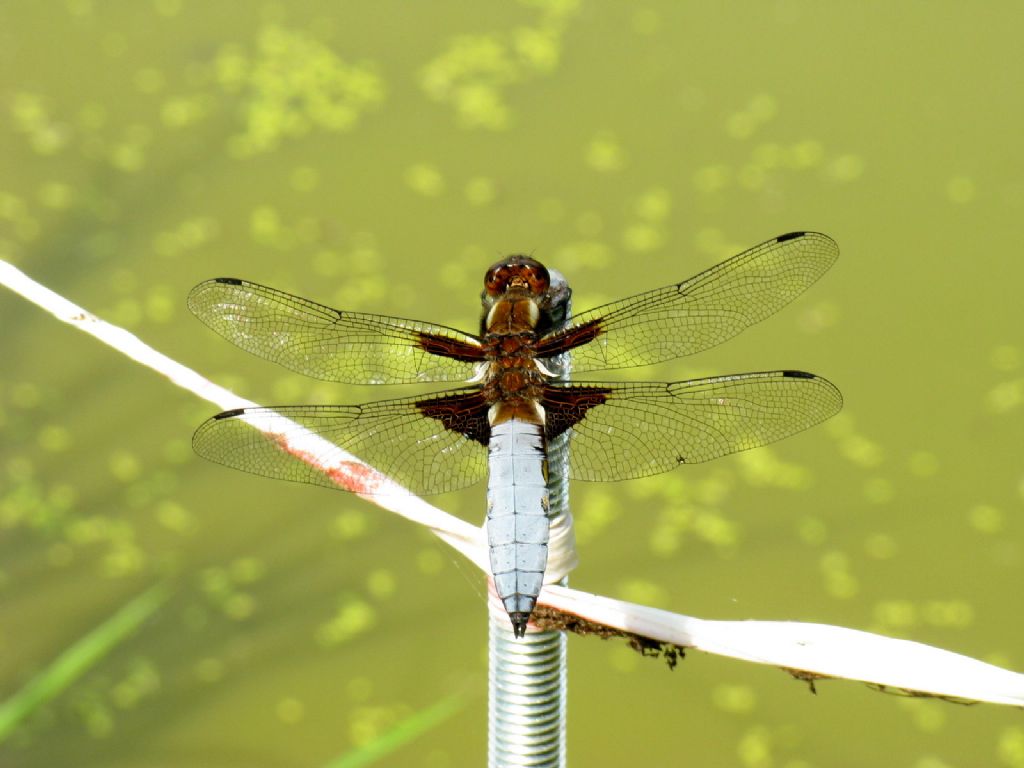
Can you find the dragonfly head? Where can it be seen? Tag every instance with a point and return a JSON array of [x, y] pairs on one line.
[[519, 276]]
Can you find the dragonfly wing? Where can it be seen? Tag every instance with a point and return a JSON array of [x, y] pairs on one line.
[[412, 440], [326, 343], [699, 313], [622, 431]]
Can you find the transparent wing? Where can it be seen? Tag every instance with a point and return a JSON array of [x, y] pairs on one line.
[[622, 431], [413, 440], [714, 306], [326, 343]]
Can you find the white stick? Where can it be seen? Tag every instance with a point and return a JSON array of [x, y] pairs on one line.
[[813, 649]]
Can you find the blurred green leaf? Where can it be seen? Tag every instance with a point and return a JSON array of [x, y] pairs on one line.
[[79, 658], [403, 733]]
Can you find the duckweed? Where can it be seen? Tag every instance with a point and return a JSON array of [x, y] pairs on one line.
[[291, 85]]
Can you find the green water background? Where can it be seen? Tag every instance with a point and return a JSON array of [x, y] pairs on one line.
[[378, 157]]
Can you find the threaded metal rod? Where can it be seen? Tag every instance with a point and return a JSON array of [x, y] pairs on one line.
[[527, 702]]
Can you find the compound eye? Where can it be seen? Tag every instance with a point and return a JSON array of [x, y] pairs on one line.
[[496, 279], [538, 278]]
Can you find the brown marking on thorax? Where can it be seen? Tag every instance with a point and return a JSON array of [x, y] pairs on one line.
[[513, 376]]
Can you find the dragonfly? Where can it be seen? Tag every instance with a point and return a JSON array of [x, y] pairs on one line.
[[518, 392]]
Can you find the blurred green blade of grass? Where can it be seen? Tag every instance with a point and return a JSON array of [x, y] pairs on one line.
[[401, 734], [78, 658]]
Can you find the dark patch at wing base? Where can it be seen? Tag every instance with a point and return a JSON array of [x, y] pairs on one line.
[[464, 414], [568, 339], [566, 406], [451, 348]]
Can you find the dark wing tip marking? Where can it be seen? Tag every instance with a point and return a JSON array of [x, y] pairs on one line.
[[226, 280], [823, 241], [822, 382], [229, 414]]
